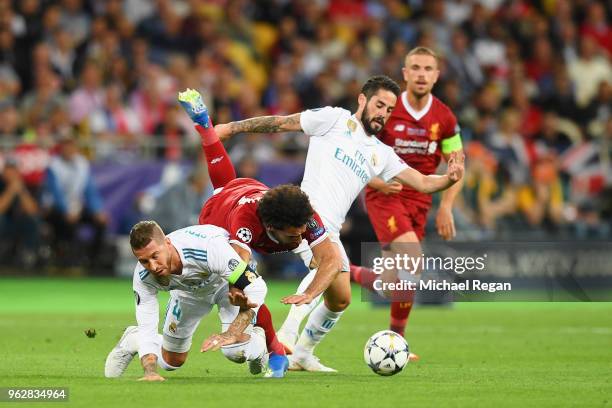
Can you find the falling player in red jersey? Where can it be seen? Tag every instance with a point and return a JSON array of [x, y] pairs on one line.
[[421, 130], [257, 217]]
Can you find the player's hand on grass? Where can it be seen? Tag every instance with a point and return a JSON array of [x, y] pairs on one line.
[[445, 223], [223, 131], [152, 377], [238, 298], [216, 341], [297, 299], [192, 103], [455, 167]]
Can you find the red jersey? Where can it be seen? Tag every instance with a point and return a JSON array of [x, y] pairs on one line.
[[417, 138], [235, 209]]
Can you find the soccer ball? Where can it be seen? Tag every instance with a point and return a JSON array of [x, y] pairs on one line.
[[386, 353]]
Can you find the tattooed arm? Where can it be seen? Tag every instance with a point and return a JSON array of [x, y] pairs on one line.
[[261, 124], [233, 334]]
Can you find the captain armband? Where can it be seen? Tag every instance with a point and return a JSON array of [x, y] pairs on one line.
[[242, 275], [452, 144]]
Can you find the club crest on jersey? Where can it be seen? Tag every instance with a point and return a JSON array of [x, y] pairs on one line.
[[245, 235], [250, 276], [351, 125], [434, 131], [172, 327], [374, 159]]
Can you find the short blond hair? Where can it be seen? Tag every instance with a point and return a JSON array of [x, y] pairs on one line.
[[420, 50]]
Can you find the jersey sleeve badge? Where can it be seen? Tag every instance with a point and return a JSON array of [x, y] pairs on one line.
[[244, 234]]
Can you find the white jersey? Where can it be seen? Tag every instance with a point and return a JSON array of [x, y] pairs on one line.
[[341, 161], [208, 261]]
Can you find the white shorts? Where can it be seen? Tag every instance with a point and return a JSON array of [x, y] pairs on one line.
[[305, 252], [184, 313]]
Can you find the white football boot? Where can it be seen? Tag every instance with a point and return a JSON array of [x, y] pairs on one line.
[[308, 362], [120, 357], [258, 365]]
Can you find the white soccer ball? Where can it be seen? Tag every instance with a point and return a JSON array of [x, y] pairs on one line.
[[386, 353]]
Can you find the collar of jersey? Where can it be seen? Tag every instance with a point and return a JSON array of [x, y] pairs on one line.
[[416, 114]]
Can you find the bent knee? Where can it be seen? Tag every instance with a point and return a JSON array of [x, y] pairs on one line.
[[174, 359]]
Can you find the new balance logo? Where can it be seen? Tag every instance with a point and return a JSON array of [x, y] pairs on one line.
[[216, 160]]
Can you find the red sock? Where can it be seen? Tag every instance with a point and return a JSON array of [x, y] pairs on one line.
[[264, 320], [400, 312], [363, 276], [220, 168]]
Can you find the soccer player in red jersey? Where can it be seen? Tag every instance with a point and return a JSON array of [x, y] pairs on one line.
[[421, 130], [257, 217]]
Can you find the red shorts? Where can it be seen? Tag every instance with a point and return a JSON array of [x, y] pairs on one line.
[[394, 215]]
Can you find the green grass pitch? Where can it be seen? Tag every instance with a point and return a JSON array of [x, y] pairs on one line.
[[472, 354]]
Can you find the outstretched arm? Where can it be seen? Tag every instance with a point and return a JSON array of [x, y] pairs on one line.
[[329, 263], [261, 124], [233, 334], [432, 183]]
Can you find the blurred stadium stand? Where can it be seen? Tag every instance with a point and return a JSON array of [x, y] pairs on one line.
[[530, 82]]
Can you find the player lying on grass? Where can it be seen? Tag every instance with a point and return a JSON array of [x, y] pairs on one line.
[[257, 217], [343, 156], [195, 264]]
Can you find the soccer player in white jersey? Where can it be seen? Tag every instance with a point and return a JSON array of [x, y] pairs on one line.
[[195, 264], [343, 156]]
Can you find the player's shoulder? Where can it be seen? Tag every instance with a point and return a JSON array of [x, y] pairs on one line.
[[319, 120], [142, 276], [331, 111], [195, 236], [440, 108]]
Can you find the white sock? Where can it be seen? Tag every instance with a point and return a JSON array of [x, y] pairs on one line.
[[320, 322], [291, 325]]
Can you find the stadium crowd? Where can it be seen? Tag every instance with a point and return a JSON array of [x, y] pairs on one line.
[[91, 81]]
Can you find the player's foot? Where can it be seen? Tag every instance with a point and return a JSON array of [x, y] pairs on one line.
[[259, 364], [120, 357], [191, 101], [413, 357], [308, 362], [287, 339], [277, 366]]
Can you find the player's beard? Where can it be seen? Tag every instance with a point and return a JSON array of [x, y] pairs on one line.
[[418, 94], [367, 123]]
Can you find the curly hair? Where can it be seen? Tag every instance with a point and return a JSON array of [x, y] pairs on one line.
[[285, 206]]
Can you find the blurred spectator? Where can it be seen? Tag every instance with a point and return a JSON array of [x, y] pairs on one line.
[[531, 81], [179, 206], [89, 96], [73, 200], [19, 218], [463, 65], [588, 71]]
